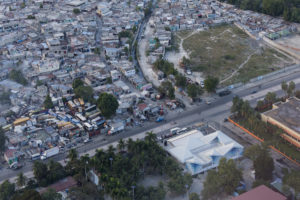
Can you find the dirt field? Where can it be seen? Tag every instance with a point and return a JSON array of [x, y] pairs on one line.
[[292, 43], [228, 53]]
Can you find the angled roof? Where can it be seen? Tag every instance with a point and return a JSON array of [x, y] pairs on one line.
[[261, 193], [194, 147]]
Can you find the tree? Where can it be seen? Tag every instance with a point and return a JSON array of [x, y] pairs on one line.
[[108, 104], [40, 172], [263, 165], [85, 92], [194, 196], [230, 176], [284, 86], [167, 88], [180, 81], [76, 11], [7, 190], [211, 83], [2, 140], [48, 104], [21, 180], [292, 179], [253, 151], [121, 145], [193, 90], [77, 82], [55, 172], [51, 194], [73, 155], [237, 103], [226, 179], [28, 194], [270, 97], [212, 185], [5, 97], [291, 88], [178, 182], [17, 76]]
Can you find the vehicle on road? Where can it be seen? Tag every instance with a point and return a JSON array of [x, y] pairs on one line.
[[208, 102], [174, 131], [87, 140], [183, 130], [188, 72], [15, 166], [253, 92], [36, 156], [224, 93], [49, 153], [160, 119]]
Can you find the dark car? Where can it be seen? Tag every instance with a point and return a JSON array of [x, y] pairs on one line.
[[224, 93]]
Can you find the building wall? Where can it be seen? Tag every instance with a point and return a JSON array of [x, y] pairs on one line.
[[295, 135]]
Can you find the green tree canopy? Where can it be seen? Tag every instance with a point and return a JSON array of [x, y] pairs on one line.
[[108, 104], [21, 180], [17, 76], [263, 165], [226, 179], [194, 196], [180, 81], [211, 83], [167, 88], [193, 90], [48, 104], [292, 179], [2, 140], [84, 92], [51, 194], [77, 82], [7, 190], [28, 195]]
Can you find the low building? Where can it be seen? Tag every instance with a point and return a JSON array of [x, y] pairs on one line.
[[260, 193], [286, 115], [200, 152]]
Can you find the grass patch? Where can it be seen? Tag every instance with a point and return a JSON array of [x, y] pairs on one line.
[[220, 51]]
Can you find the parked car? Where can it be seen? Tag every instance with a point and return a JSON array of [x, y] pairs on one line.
[[160, 119], [224, 93]]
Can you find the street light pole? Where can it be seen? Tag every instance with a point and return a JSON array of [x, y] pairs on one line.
[[85, 170], [133, 191]]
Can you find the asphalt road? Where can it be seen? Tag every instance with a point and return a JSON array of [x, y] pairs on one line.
[[216, 111]]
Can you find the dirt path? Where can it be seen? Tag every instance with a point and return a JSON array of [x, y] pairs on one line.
[[240, 67]]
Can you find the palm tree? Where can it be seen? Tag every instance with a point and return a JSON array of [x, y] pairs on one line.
[[130, 144], [121, 145], [21, 180], [284, 86], [72, 155], [151, 137]]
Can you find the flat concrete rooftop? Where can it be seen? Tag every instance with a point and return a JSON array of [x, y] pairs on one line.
[[287, 113]]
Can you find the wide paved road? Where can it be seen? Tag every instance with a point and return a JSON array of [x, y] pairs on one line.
[[216, 111]]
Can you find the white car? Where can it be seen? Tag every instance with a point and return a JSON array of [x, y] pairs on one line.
[[188, 72], [202, 84]]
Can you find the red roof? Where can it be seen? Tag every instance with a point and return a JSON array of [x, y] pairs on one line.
[[261, 193], [62, 185]]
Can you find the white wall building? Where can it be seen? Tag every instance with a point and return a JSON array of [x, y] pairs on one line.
[[200, 152]]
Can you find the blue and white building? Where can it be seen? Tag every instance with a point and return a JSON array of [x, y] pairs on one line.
[[199, 152]]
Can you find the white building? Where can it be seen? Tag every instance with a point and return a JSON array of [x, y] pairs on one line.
[[45, 66], [200, 152]]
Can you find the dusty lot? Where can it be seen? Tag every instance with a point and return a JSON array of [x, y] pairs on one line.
[[230, 54], [292, 43]]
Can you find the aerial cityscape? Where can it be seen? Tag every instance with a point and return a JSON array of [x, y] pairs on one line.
[[150, 99]]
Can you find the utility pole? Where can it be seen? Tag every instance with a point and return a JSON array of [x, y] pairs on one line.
[[133, 191]]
